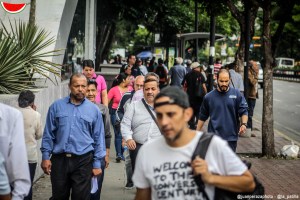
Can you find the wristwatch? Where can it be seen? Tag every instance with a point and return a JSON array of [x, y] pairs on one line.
[[245, 124]]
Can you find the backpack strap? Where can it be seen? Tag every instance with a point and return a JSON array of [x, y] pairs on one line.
[[201, 150]]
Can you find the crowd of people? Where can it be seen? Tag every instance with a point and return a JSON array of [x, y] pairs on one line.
[[157, 114]]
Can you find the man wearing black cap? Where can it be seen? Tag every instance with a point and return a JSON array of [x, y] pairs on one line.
[[164, 167]]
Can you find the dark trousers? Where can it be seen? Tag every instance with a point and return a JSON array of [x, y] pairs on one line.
[[74, 173], [251, 106], [133, 155], [96, 195], [195, 104], [232, 145], [32, 168]]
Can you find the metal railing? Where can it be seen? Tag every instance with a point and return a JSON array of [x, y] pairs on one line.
[[289, 75]]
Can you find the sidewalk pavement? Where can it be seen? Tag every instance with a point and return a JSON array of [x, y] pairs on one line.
[[279, 176]]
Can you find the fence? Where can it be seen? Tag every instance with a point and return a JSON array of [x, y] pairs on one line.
[[289, 75]]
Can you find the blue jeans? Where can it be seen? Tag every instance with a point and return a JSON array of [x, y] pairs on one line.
[[251, 106], [96, 195], [118, 135]]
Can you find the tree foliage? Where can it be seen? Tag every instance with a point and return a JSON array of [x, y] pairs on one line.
[[22, 53]]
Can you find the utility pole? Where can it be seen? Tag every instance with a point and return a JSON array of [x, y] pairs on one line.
[[196, 30], [247, 46], [210, 69]]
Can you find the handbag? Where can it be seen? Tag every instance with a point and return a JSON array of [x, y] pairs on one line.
[[221, 194]]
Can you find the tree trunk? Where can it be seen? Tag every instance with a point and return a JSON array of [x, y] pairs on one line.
[[104, 40], [32, 12], [268, 146], [240, 17], [240, 53]]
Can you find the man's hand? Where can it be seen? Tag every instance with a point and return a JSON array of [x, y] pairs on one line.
[[46, 166], [199, 167], [97, 172], [106, 160], [131, 144], [242, 129]]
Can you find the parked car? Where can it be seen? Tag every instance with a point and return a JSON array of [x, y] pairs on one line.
[[285, 62], [260, 75]]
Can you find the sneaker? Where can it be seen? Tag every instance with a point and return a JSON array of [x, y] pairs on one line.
[[122, 158], [129, 186], [118, 159]]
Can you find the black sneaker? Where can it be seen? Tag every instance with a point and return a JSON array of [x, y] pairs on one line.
[[118, 159], [129, 186]]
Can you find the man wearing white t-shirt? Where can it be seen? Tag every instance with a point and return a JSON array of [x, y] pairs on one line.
[[164, 169]]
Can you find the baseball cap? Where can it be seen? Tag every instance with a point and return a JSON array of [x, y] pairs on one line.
[[177, 97]]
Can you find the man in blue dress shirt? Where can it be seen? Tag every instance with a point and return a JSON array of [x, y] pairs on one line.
[[74, 136]]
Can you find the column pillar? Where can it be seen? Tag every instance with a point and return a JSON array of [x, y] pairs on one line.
[[90, 30]]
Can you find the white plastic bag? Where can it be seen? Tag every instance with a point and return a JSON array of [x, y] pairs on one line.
[[290, 151], [94, 183]]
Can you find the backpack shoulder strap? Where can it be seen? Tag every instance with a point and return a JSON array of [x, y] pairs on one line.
[[202, 145], [201, 150]]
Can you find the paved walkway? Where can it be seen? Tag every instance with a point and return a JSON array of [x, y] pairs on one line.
[[279, 176]]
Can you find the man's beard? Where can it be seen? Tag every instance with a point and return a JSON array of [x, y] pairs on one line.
[[78, 96], [224, 88], [177, 136]]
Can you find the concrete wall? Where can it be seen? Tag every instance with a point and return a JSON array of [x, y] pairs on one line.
[[43, 99]]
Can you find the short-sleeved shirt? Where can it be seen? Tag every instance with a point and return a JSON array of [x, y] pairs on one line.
[[190, 79], [101, 86], [167, 170], [115, 94], [177, 74]]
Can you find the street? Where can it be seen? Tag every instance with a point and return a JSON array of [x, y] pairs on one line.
[[286, 109]]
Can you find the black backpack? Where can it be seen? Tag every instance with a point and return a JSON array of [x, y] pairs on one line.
[[221, 194]]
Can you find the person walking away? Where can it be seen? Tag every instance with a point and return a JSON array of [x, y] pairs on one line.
[[138, 125], [194, 85], [177, 73], [224, 106], [89, 72], [114, 95], [188, 66], [74, 139], [32, 131], [236, 80], [13, 150], [164, 166], [252, 93], [162, 73], [91, 94]]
